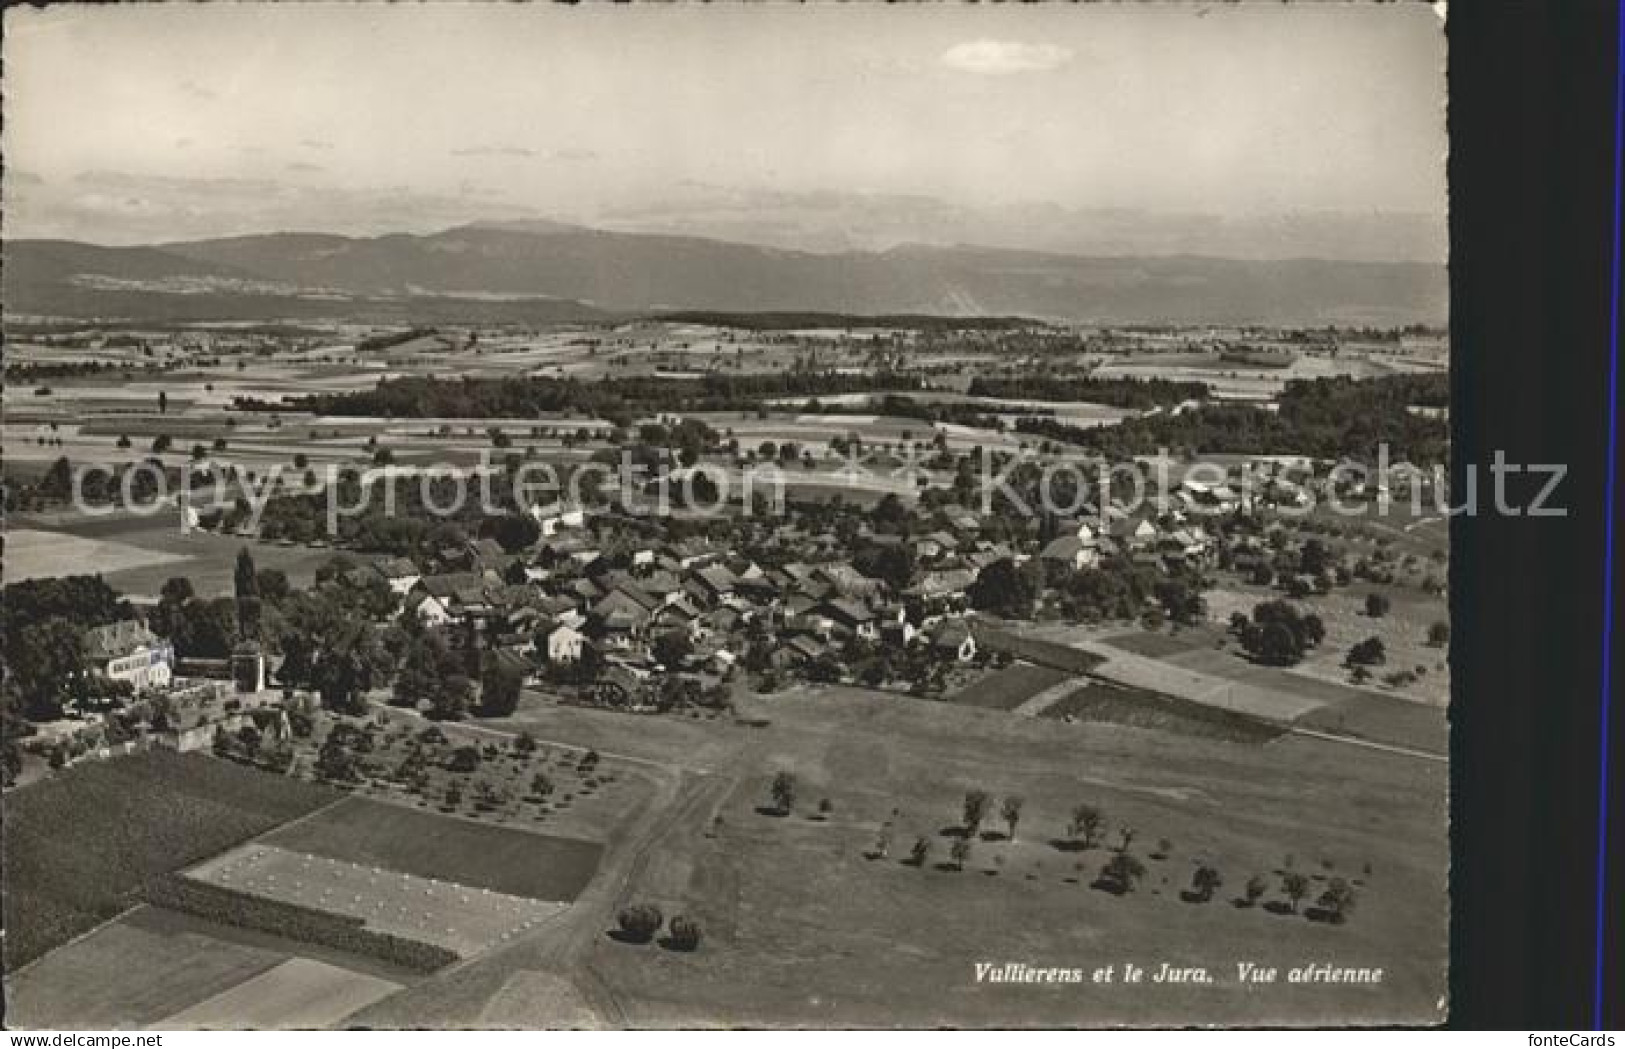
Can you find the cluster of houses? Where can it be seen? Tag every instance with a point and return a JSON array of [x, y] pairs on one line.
[[610, 587], [545, 608]]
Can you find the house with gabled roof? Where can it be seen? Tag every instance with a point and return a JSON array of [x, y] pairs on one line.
[[953, 638], [846, 580], [128, 651], [401, 573], [853, 617], [1070, 551], [712, 583], [562, 643], [557, 515]]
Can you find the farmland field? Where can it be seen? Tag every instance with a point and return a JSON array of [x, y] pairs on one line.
[[299, 993], [460, 918], [376, 834], [144, 552], [1098, 701], [132, 972], [79, 846], [32, 554], [1007, 689]]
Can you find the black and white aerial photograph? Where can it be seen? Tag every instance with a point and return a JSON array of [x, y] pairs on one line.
[[760, 516]]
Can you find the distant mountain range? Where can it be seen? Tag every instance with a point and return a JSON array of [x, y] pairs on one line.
[[543, 272]]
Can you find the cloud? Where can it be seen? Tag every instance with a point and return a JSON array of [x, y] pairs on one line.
[[300, 165], [198, 91], [316, 143], [1004, 57]]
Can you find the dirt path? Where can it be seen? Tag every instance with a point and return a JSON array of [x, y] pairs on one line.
[[559, 950]]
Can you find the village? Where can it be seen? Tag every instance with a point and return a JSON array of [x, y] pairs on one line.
[[642, 628]]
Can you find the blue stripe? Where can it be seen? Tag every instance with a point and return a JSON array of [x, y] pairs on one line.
[[1598, 995]]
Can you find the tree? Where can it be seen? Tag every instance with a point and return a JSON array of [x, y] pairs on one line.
[[1003, 589], [246, 587], [161, 443], [1295, 887], [450, 701], [464, 759], [672, 649], [1125, 838], [44, 664], [1337, 901], [541, 786], [784, 792], [499, 691], [974, 811], [1088, 824], [1377, 605], [273, 585], [1205, 882], [683, 934], [919, 852], [882, 846], [1273, 644], [959, 852], [347, 667], [1368, 653], [640, 922], [1314, 558], [205, 628], [1255, 889], [1121, 873], [336, 762], [420, 674], [1438, 635], [1010, 812], [163, 402]]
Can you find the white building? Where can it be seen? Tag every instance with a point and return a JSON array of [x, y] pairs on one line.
[[128, 651]]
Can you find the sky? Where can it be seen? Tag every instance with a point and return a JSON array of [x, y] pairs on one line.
[[1256, 129]]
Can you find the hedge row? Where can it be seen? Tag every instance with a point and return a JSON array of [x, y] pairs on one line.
[[294, 921]]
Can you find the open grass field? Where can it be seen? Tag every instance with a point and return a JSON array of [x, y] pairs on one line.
[[425, 845], [298, 994], [145, 552], [792, 903], [32, 554], [1384, 719], [78, 846], [1009, 688], [801, 928]]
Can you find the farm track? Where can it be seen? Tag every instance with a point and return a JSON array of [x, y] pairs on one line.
[[560, 947]]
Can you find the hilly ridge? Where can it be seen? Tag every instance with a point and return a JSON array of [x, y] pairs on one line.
[[545, 271]]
